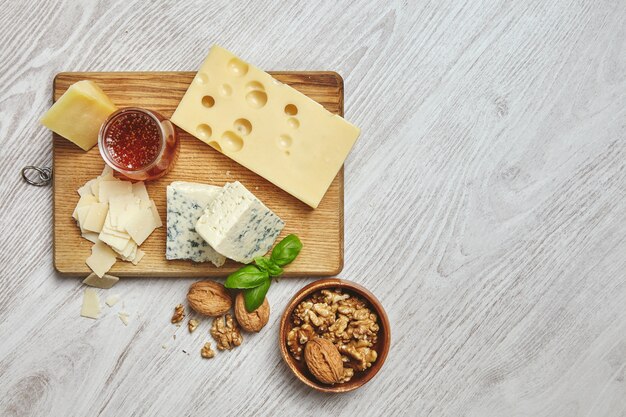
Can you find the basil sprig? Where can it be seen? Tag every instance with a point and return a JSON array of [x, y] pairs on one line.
[[254, 279], [265, 264]]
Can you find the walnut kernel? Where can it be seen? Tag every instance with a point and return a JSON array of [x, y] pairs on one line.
[[192, 325], [206, 351], [226, 332], [298, 337], [179, 314]]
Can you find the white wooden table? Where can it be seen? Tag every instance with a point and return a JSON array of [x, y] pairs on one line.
[[485, 206]]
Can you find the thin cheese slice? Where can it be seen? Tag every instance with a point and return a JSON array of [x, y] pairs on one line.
[[91, 304], [118, 205], [150, 204], [140, 191], [124, 317], [81, 214], [129, 252], [115, 242], [138, 257], [106, 282], [102, 259], [115, 231], [85, 200], [86, 189], [96, 216], [155, 214], [90, 236], [112, 300], [140, 225], [108, 189], [95, 188], [107, 174]]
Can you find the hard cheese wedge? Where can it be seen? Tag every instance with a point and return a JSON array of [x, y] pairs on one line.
[[238, 225], [266, 126], [79, 113]]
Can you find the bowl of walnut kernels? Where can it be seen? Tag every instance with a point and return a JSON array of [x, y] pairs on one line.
[[334, 335]]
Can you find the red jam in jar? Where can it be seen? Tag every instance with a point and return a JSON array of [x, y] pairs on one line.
[[138, 143]]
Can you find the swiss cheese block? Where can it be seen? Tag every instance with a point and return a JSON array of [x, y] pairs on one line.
[[238, 225], [266, 126], [79, 113]]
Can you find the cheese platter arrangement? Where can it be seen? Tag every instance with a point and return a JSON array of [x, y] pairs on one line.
[[321, 229], [228, 172]]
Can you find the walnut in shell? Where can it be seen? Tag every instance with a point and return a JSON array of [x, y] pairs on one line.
[[324, 361], [209, 298], [251, 322]]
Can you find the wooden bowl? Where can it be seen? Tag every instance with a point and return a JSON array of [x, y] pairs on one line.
[[300, 369]]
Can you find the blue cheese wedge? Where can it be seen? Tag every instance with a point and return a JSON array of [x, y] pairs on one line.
[[238, 225], [186, 202]]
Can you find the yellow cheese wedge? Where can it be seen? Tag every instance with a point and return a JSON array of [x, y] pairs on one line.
[[265, 125], [79, 113]]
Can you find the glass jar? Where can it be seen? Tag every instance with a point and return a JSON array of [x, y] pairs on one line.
[[138, 143]]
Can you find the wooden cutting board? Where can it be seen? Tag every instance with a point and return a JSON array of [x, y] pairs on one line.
[[321, 230]]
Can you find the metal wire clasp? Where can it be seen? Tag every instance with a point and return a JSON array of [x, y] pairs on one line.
[[44, 177]]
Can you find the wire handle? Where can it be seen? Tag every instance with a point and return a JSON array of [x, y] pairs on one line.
[[44, 174]]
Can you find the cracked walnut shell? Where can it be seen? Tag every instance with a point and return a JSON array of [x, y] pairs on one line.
[[209, 298], [324, 361], [251, 322]]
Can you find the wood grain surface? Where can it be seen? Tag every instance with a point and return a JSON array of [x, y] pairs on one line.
[[321, 230], [485, 207]]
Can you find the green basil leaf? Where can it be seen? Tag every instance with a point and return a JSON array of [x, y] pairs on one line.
[[275, 270], [262, 263], [247, 277], [286, 250], [268, 265], [253, 297]]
